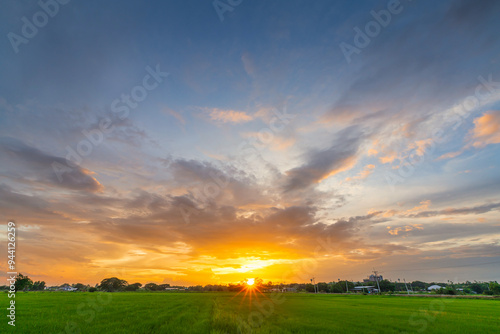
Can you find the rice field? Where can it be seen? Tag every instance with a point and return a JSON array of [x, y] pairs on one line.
[[142, 312]]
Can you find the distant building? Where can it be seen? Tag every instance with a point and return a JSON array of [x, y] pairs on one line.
[[434, 287], [373, 278]]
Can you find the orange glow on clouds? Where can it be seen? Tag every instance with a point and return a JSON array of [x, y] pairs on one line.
[[487, 129]]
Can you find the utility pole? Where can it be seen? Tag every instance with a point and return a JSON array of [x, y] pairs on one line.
[[404, 279], [376, 279], [313, 282], [346, 286]]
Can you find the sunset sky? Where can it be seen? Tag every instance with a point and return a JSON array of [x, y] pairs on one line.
[[178, 142]]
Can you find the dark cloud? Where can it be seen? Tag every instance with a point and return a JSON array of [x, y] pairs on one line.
[[14, 204], [222, 183], [459, 211], [319, 164], [439, 232], [24, 162]]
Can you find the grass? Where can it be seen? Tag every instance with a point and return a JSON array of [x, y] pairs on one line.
[[217, 313]]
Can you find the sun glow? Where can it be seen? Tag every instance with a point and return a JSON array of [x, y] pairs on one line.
[[250, 288]]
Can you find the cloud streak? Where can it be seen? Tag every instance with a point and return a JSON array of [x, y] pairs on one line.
[[27, 162], [319, 165]]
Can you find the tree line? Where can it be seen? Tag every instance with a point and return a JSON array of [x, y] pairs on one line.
[[115, 284]]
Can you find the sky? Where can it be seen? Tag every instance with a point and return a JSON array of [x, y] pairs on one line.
[[207, 142]]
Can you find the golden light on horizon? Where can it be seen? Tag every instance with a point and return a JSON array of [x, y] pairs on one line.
[[250, 288]]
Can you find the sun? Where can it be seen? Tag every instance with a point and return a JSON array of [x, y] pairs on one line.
[[250, 288]]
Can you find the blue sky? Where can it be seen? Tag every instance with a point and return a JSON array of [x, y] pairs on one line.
[[263, 141]]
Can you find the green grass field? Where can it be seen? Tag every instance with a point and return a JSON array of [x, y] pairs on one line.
[[227, 313]]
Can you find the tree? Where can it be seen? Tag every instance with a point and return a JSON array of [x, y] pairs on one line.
[[151, 287], [322, 286], [112, 284], [338, 287], [38, 286], [477, 287], [234, 287], [23, 282], [419, 285], [133, 287], [386, 285], [309, 287], [448, 290], [80, 286], [495, 288]]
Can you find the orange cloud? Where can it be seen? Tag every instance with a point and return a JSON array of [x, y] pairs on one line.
[[273, 142], [450, 155], [347, 164], [421, 145], [406, 228], [424, 205], [229, 116], [390, 213], [486, 129], [367, 170], [388, 158]]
